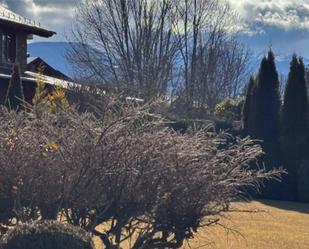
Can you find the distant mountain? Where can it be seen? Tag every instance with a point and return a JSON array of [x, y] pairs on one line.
[[54, 53]]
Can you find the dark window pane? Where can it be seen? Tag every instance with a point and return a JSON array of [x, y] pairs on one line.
[[8, 45], [11, 48]]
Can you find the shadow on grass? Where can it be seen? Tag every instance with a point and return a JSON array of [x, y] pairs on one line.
[[287, 205]]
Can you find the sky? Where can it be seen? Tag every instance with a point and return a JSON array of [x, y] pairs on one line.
[[282, 25], [55, 15]]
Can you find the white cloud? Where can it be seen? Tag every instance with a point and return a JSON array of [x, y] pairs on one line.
[[281, 24], [283, 14], [55, 15]]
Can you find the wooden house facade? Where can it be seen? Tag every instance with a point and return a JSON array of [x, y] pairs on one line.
[[15, 32]]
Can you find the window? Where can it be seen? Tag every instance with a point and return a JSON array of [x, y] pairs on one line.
[[8, 47]]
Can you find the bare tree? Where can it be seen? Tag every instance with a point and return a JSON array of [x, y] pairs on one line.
[[282, 82], [126, 43], [222, 72], [158, 48], [214, 63]]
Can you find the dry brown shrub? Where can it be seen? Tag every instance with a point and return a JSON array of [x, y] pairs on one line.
[[122, 168]]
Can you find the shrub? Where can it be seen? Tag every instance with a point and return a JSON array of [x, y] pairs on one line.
[[46, 235], [124, 169], [229, 110]]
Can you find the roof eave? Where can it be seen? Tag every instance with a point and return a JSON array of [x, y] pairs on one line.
[[42, 32], [28, 29]]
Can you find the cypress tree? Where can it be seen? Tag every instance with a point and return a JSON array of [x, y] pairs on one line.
[[267, 108], [15, 96], [248, 109], [294, 122], [266, 118]]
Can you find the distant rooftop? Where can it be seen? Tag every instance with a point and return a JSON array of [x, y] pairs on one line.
[[10, 18]]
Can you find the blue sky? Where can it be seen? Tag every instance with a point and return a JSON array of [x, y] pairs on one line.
[[281, 24]]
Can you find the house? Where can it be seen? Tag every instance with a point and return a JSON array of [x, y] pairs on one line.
[[15, 32], [35, 63]]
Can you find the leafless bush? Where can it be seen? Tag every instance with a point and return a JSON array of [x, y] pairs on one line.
[[145, 183]]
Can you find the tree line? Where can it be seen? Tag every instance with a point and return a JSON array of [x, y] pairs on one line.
[[281, 123]]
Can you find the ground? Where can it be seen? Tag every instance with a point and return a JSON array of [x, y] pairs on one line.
[[280, 225]]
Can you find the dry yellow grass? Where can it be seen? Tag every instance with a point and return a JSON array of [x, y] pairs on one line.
[[281, 225]]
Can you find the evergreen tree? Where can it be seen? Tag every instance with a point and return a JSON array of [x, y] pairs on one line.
[[266, 117], [248, 109], [267, 108], [294, 121], [15, 96]]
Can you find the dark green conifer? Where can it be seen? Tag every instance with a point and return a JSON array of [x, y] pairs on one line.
[[248, 109], [15, 97], [294, 120], [267, 106]]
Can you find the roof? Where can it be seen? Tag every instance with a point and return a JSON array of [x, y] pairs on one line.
[[11, 19], [33, 77], [31, 59], [34, 63], [68, 85], [65, 84]]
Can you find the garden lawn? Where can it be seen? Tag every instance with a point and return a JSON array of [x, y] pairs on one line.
[[280, 225]]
